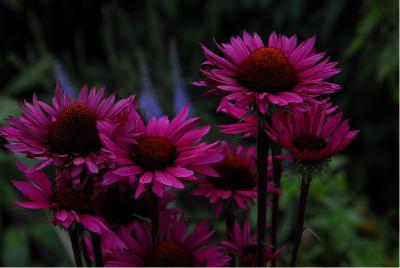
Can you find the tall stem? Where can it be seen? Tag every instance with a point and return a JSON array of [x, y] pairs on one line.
[[73, 235], [154, 214], [305, 186], [262, 165], [230, 222], [98, 254], [1, 228], [276, 178], [85, 251]]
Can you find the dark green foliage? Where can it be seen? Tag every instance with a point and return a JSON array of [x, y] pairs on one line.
[[339, 228]]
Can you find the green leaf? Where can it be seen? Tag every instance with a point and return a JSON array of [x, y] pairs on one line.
[[366, 253], [15, 246], [364, 28], [388, 62], [9, 107], [35, 74], [44, 232]]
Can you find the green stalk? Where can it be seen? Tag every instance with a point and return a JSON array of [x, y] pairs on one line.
[[262, 165], [305, 187], [276, 178], [73, 235]]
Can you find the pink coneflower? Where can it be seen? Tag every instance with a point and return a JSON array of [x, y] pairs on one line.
[[311, 136], [165, 153], [68, 205], [247, 122], [237, 180], [244, 245], [65, 134], [280, 72], [174, 246]]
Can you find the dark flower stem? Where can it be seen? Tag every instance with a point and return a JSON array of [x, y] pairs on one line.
[[276, 178], [154, 214], [98, 255], [73, 235], [230, 222], [305, 186], [85, 251], [262, 165], [1, 232]]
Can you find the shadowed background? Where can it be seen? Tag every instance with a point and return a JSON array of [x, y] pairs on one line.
[[151, 48]]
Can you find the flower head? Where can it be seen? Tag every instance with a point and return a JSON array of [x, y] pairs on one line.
[[247, 121], [65, 133], [174, 246], [69, 205], [280, 72], [162, 153], [237, 179], [244, 245], [311, 136]]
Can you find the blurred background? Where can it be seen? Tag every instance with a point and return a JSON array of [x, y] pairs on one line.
[[151, 48]]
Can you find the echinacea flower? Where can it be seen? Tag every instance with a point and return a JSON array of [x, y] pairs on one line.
[[247, 121], [244, 245], [162, 153], [68, 205], [310, 136], [237, 181], [174, 246], [280, 72], [65, 133]]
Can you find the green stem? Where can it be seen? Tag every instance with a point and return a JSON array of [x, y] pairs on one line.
[[73, 235], [276, 178], [305, 187], [230, 222], [98, 254], [85, 251], [262, 165], [154, 214]]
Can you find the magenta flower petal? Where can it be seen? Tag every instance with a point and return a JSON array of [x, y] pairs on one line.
[[31, 191], [33, 205], [39, 178], [180, 172], [127, 171]]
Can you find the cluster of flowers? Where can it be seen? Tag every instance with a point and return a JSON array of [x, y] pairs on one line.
[[115, 173]]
